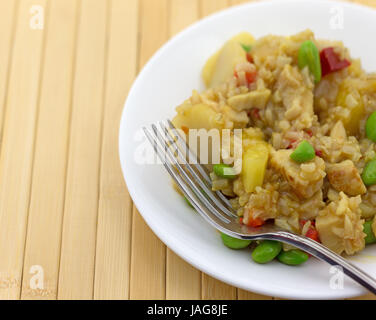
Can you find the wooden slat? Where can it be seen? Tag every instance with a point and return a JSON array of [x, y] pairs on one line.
[[148, 258], [236, 2], [47, 195], [213, 289], [183, 13], [115, 208], [368, 296], [210, 6], [76, 275], [8, 10], [17, 148], [182, 280], [246, 295]]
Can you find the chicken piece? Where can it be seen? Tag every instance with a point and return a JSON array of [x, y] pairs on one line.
[[340, 225], [297, 97], [306, 178], [344, 176], [254, 99]]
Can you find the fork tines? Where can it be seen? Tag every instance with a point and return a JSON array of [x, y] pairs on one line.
[[190, 176]]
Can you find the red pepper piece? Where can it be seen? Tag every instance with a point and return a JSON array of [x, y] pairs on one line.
[[255, 113], [330, 61], [254, 223], [249, 76], [313, 234], [318, 153], [185, 129], [292, 142], [249, 58], [302, 222]]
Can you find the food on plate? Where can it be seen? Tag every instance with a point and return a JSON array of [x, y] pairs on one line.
[[266, 251], [307, 111]]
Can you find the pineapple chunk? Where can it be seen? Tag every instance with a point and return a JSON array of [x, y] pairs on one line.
[[349, 98], [207, 71], [199, 116], [244, 38], [220, 67], [255, 159]]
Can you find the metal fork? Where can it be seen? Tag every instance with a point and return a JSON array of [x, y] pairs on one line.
[[194, 182]]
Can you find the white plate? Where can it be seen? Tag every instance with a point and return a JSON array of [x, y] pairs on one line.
[[168, 79]]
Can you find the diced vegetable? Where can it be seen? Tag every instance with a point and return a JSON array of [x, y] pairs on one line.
[[224, 171], [319, 153], [309, 56], [313, 234], [371, 127], [249, 57], [331, 62], [199, 116], [246, 48], [220, 67], [250, 76], [187, 201], [255, 113], [367, 228], [255, 159], [266, 251], [207, 71], [369, 173], [244, 38], [350, 98], [293, 257], [254, 222], [234, 243], [304, 152]]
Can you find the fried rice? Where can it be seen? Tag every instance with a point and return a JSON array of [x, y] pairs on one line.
[[275, 102]]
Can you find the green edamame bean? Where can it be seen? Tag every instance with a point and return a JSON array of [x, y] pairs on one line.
[[246, 48], [367, 229], [309, 56], [187, 201], [303, 152], [293, 257], [371, 127], [369, 173], [266, 251], [234, 243], [224, 171]]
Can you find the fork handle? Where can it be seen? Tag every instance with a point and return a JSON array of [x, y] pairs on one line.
[[319, 251]]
